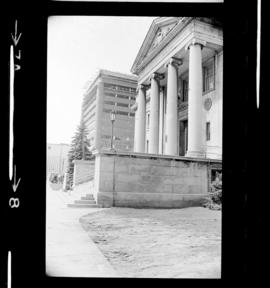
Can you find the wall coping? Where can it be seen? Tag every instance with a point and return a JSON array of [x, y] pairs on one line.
[[156, 156], [76, 161]]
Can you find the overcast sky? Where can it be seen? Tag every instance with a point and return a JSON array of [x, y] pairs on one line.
[[77, 47]]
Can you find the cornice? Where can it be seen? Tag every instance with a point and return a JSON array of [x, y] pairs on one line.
[[140, 62], [106, 73], [176, 62], [138, 66], [195, 41], [125, 76], [157, 23], [156, 76], [142, 87]]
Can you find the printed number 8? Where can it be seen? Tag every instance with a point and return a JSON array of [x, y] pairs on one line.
[[14, 202]]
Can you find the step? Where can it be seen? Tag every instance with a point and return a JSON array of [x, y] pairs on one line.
[[82, 205], [85, 202], [87, 198], [89, 195]]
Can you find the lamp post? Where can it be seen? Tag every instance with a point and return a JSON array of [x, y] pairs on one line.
[[112, 120]]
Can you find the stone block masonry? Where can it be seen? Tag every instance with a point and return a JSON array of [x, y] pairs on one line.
[[83, 171], [145, 180]]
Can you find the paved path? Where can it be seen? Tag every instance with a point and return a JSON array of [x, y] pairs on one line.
[[69, 250]]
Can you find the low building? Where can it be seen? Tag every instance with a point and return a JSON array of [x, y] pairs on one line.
[[57, 158], [110, 91]]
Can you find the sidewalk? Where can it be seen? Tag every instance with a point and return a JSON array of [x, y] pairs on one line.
[[69, 250]]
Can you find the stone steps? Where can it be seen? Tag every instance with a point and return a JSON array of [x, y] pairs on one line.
[[88, 198], [87, 201], [82, 205]]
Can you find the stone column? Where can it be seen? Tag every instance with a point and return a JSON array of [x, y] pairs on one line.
[[98, 117], [196, 143], [154, 115], [171, 145], [161, 119], [140, 116]]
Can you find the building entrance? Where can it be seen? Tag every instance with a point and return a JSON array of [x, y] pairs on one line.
[[183, 137]]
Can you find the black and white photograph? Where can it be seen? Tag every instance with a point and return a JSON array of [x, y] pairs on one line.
[[123, 160], [134, 151]]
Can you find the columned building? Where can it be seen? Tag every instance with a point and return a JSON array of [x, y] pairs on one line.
[[178, 108]]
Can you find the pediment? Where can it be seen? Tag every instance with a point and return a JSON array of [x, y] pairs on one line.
[[160, 35], [157, 33]]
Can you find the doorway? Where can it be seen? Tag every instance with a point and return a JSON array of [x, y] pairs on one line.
[[183, 137]]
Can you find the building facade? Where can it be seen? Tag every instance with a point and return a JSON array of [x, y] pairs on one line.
[[180, 88], [178, 120], [57, 158], [110, 91]]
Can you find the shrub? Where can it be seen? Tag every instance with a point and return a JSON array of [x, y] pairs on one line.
[[79, 149], [214, 200]]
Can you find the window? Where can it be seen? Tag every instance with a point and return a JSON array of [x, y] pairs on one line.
[[122, 96], [110, 94], [185, 90], [110, 86], [109, 102], [122, 104], [89, 98], [148, 120], [209, 76], [122, 113], [123, 88], [89, 116], [207, 131]]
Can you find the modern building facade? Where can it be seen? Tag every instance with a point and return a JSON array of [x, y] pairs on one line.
[[180, 88], [110, 91]]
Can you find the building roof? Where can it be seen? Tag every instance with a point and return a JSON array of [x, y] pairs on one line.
[[160, 33], [104, 72], [151, 36]]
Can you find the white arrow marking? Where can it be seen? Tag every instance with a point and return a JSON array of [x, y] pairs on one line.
[[15, 39], [258, 53], [11, 111], [14, 186], [9, 270]]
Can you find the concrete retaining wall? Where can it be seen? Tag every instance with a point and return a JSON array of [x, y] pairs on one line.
[[83, 171], [144, 180]]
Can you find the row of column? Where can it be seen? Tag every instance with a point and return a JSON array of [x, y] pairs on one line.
[[195, 139]]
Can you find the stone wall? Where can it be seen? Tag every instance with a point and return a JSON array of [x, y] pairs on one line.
[[144, 180], [83, 171]]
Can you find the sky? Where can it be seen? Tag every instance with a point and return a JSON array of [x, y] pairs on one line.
[[77, 47]]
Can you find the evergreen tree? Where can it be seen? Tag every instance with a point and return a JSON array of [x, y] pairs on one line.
[[79, 150]]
